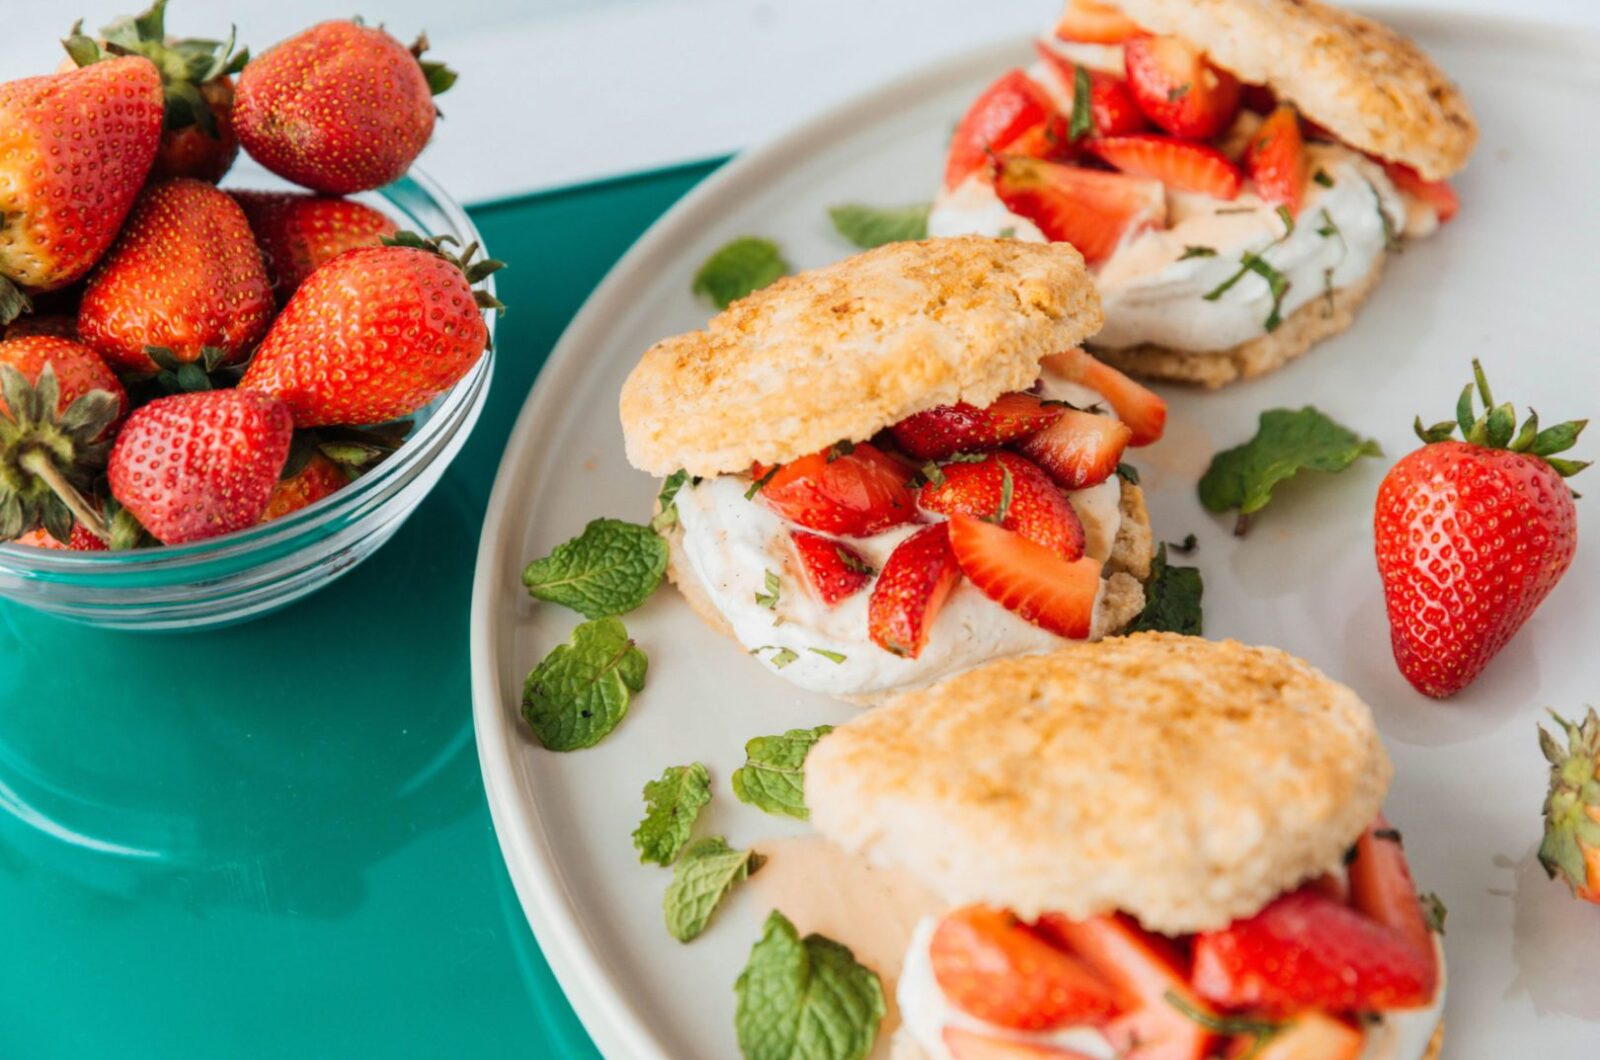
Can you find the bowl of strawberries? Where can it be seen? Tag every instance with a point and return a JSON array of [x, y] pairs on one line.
[[225, 378]]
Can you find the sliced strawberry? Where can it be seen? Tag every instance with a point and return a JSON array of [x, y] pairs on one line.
[[1312, 1036], [993, 967], [833, 569], [1437, 194], [1092, 210], [1014, 114], [948, 429], [912, 589], [1381, 887], [1079, 450], [1306, 951], [849, 494], [1331, 885], [1179, 164], [1179, 89], [80, 540], [1141, 408], [970, 1045], [1112, 109], [1026, 578], [1147, 969], [1038, 510], [1276, 159], [1095, 22]]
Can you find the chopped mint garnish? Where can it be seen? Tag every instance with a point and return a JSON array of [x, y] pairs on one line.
[[666, 516], [853, 562], [1198, 252], [580, 692], [805, 999], [1433, 912], [1007, 487], [873, 226], [780, 657], [1175, 94], [1288, 221], [708, 870], [609, 569], [747, 264], [1082, 122], [1277, 285], [761, 483], [1286, 442], [769, 599], [1128, 473], [1187, 545], [773, 775], [834, 657], [671, 806], [1322, 178], [1391, 238]]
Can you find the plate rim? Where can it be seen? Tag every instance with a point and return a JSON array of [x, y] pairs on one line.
[[616, 1025]]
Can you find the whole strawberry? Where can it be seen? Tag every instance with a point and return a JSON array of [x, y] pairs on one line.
[[185, 276], [1471, 536], [340, 107], [196, 466], [1571, 846], [298, 232], [376, 333], [197, 139], [75, 149]]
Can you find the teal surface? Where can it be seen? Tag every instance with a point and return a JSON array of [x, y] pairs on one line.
[[272, 840]]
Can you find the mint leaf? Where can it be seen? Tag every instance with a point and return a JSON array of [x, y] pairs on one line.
[[744, 265], [580, 692], [666, 516], [1081, 123], [805, 999], [873, 226], [609, 569], [1286, 442], [1171, 599], [772, 778], [671, 806], [705, 874]]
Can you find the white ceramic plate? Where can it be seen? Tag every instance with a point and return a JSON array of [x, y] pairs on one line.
[[1514, 280]]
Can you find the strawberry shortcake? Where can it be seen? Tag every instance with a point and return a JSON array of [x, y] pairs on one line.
[[1154, 847], [1235, 172], [901, 465]]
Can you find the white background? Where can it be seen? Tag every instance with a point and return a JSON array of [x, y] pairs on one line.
[[555, 92]]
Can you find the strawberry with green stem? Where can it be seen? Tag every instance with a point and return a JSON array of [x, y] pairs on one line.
[[1571, 846], [50, 451]]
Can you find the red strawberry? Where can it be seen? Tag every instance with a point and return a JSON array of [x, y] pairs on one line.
[[964, 1044], [1309, 1036], [832, 568], [1027, 578], [78, 371], [948, 429], [993, 967], [82, 539], [1182, 165], [852, 494], [1012, 111], [1149, 972], [1276, 159], [1436, 194], [297, 233], [1036, 509], [1112, 109], [1571, 845], [196, 466], [1095, 22], [376, 333], [1141, 408], [1079, 450], [184, 275], [1381, 887], [319, 478], [339, 108], [57, 325], [74, 150], [1090, 209], [1471, 537], [1306, 951], [1178, 87], [197, 139], [911, 590]]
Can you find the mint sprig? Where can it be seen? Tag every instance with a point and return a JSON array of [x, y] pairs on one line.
[[1171, 599], [708, 870], [873, 226], [772, 778], [746, 264], [1287, 441], [805, 999], [580, 692], [672, 805], [609, 569]]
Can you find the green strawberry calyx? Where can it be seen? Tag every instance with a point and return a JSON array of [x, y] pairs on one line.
[[440, 77], [14, 301], [475, 271], [47, 461], [1497, 428], [1573, 804], [185, 64]]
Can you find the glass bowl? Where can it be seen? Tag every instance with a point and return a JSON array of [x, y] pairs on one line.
[[253, 572]]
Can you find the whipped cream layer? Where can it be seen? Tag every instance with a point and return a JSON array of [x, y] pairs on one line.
[[1399, 1034]]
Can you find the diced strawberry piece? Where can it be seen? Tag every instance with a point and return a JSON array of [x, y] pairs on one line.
[[948, 429], [1437, 194], [1112, 109], [1179, 89], [80, 540], [993, 967], [1014, 114], [970, 1045], [1079, 450], [1305, 951], [1095, 22], [1148, 970], [1038, 510], [849, 494], [1090, 209], [1276, 160], [1026, 578], [833, 569], [1381, 887], [1141, 408], [911, 590], [1312, 1036], [1179, 164]]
